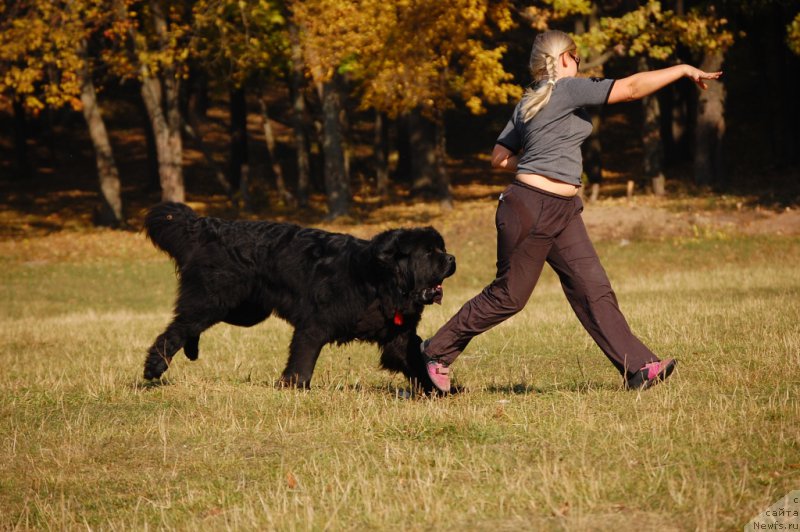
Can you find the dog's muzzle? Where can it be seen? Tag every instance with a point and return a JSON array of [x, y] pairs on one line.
[[432, 295]]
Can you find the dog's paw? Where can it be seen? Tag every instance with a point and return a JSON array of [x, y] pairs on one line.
[[155, 366], [293, 381]]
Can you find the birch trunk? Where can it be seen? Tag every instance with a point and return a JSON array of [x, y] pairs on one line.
[[111, 210], [170, 169], [163, 109]]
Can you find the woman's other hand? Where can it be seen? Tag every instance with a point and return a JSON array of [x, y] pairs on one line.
[[698, 76]]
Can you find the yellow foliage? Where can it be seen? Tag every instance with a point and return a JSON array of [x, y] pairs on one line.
[[650, 31], [237, 37], [409, 53], [793, 35], [39, 52]]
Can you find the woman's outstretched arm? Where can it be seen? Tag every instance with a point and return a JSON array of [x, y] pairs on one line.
[[644, 84]]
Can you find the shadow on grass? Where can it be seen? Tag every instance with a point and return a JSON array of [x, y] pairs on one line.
[[409, 393], [150, 385], [573, 387]]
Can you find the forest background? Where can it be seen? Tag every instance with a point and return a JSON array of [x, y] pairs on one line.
[[328, 107], [356, 116]]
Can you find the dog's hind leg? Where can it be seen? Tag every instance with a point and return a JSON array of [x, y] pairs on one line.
[[303, 353]]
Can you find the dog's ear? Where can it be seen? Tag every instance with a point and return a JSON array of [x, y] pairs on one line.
[[384, 248], [388, 254]]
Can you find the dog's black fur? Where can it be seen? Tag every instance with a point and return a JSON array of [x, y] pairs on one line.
[[330, 287]]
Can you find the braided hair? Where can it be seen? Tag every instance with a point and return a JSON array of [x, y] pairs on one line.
[[547, 48]]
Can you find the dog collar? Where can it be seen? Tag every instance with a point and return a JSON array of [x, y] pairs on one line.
[[398, 318]]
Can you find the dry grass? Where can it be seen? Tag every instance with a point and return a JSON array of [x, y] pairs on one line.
[[543, 436]]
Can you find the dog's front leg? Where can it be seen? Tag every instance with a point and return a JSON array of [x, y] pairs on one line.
[[402, 354], [303, 353], [161, 352]]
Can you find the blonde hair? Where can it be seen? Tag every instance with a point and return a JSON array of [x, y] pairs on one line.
[[547, 48]]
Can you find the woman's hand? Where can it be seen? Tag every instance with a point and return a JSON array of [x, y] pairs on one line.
[[698, 76], [504, 159]]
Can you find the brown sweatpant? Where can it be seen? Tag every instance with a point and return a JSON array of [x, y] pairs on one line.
[[534, 226]]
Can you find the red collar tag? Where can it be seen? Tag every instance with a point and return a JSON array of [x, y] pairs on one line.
[[398, 318]]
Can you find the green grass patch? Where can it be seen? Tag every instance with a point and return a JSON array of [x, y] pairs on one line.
[[543, 435]]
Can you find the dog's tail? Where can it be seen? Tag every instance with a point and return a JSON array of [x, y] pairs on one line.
[[172, 228]]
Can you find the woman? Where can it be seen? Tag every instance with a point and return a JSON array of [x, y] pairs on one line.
[[539, 216]]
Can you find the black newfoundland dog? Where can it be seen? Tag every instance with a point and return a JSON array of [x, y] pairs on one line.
[[330, 287]]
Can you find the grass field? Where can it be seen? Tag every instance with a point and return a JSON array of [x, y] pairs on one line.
[[543, 437]]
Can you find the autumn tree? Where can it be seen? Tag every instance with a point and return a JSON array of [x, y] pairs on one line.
[[151, 37], [327, 36], [411, 58], [424, 56], [45, 51]]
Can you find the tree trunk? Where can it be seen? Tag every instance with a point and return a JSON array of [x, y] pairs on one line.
[[593, 147], [678, 110], [381, 149], [299, 118], [21, 141], [653, 164], [175, 140], [404, 170], [429, 177], [111, 210], [153, 179], [708, 160], [170, 169], [421, 135], [197, 100], [269, 138], [163, 109], [443, 192], [336, 180]]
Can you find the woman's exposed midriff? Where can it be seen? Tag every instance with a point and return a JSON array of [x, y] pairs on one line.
[[553, 186]]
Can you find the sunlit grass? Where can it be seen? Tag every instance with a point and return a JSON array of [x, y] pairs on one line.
[[543, 435]]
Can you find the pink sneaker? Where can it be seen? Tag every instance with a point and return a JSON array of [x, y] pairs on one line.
[[438, 372], [439, 375], [651, 374]]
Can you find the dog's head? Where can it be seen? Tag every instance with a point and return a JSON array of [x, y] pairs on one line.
[[418, 260]]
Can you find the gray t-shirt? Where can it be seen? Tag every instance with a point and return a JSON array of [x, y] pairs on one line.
[[550, 143]]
